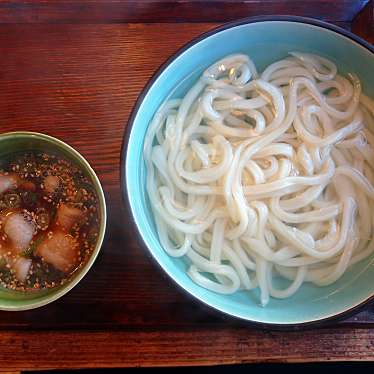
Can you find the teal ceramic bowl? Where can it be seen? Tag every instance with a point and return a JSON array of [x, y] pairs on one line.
[[23, 141], [265, 39]]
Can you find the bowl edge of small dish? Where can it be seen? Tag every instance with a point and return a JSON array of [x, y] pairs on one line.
[[103, 217]]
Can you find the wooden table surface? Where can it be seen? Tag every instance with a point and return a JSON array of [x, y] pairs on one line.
[[73, 69]]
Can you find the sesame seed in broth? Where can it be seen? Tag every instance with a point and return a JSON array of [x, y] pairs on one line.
[[56, 209]]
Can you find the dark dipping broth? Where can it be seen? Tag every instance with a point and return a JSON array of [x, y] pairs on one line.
[[49, 220]]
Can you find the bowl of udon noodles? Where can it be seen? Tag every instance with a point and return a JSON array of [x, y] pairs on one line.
[[248, 167]]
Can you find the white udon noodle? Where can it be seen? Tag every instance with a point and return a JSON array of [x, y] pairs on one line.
[[253, 176]]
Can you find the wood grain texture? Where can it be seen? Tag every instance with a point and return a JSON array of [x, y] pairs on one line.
[[363, 23], [109, 11], [79, 83], [171, 348]]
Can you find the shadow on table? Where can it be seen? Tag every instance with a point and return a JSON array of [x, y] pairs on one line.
[[243, 368]]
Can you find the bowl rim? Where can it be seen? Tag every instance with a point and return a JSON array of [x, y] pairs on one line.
[[318, 322], [103, 213]]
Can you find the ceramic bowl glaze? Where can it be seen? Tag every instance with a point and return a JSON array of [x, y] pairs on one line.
[[23, 141], [265, 40]]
